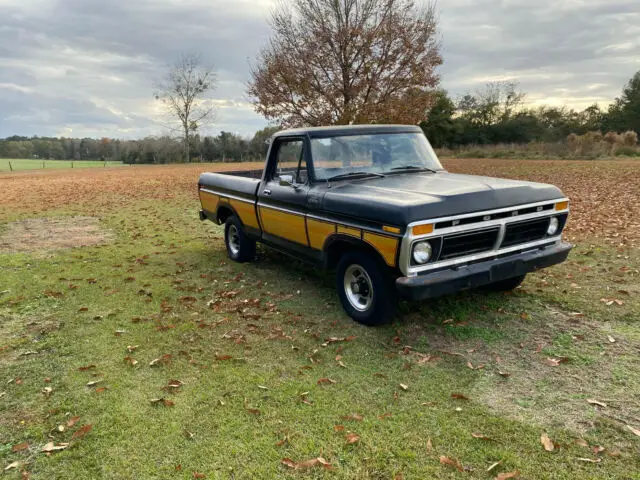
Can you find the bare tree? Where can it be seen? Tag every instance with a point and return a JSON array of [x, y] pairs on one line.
[[184, 93], [347, 61]]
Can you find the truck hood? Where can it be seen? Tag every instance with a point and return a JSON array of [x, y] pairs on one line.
[[404, 198]]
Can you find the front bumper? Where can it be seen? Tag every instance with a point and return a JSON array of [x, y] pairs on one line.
[[465, 277]]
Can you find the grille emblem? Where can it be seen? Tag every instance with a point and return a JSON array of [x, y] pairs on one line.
[[486, 218], [514, 213], [455, 222], [539, 209]]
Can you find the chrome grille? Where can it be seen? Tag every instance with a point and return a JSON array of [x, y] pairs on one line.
[[468, 243]]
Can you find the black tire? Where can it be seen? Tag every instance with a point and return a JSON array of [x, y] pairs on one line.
[[380, 306], [240, 248], [505, 285]]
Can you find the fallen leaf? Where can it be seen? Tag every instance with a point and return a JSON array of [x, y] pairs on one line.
[[554, 362], [100, 389], [494, 465], [635, 431], [459, 396], [452, 462], [88, 367], [480, 436], [72, 421], [132, 348], [353, 416], [326, 381], [504, 374], [596, 402], [352, 438], [199, 475], [222, 358], [547, 443], [611, 339], [507, 475], [15, 464], [319, 461], [404, 387], [47, 391], [130, 360], [162, 401], [19, 447], [384, 415], [93, 383], [81, 432], [338, 428], [590, 460], [51, 447], [581, 442], [429, 445]]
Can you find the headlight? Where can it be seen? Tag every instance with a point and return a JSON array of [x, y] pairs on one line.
[[554, 225], [422, 252]]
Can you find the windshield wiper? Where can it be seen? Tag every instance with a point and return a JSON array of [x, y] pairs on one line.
[[355, 174], [414, 168]]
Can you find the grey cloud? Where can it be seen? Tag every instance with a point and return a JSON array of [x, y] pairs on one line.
[[89, 65]]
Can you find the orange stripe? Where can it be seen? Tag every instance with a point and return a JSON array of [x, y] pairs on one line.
[[386, 246]]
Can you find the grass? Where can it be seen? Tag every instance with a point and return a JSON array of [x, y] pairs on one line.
[[250, 342], [18, 164]]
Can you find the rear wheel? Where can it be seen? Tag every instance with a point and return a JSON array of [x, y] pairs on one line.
[[505, 285], [240, 248], [366, 292]]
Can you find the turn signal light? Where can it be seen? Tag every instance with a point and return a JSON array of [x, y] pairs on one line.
[[562, 205], [389, 229], [422, 229]]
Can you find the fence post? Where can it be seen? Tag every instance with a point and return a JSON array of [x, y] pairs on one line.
[[10, 167]]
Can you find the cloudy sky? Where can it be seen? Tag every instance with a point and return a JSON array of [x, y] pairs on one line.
[[87, 67]]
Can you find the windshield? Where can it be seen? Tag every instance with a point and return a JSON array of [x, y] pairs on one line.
[[372, 154]]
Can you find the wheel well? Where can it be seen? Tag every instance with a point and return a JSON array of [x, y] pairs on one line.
[[223, 214], [340, 247]]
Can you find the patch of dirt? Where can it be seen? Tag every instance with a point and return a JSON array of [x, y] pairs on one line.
[[45, 234]]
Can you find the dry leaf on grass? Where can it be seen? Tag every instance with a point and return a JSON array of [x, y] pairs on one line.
[[507, 475], [319, 461], [547, 443], [452, 462], [199, 475], [404, 387], [635, 431], [480, 436], [353, 416], [554, 362], [590, 460], [429, 445], [339, 428], [459, 396], [19, 447], [324, 381], [596, 402], [494, 465], [352, 438], [51, 447], [15, 464], [81, 432], [162, 401]]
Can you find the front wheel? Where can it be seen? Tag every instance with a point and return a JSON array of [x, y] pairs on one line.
[[364, 289], [240, 248]]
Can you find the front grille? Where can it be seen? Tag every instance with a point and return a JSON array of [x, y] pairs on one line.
[[523, 232], [468, 243]]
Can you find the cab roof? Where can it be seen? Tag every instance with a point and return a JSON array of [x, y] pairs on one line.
[[343, 130]]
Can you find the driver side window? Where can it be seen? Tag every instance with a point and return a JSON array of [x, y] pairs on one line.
[[290, 163]]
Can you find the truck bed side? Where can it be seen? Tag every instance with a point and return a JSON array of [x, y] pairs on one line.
[[231, 191]]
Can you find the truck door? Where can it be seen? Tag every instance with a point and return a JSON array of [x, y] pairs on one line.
[[282, 196]]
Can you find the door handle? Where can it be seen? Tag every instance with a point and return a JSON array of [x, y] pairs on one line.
[[267, 193]]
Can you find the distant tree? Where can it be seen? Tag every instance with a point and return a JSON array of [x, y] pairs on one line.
[[347, 61], [440, 127], [184, 92], [258, 146], [624, 112]]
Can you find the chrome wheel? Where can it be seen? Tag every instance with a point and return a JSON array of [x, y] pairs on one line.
[[358, 287], [233, 240]]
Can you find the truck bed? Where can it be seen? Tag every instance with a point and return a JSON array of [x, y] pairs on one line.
[[240, 183]]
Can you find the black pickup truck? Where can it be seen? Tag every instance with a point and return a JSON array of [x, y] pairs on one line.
[[374, 203]]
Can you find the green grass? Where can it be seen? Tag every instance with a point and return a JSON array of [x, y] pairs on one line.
[[275, 330], [18, 164]]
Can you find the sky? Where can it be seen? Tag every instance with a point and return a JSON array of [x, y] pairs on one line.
[[88, 67]]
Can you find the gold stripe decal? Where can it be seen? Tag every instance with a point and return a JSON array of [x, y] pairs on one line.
[[354, 232], [285, 225], [386, 246], [209, 201], [319, 232], [246, 212]]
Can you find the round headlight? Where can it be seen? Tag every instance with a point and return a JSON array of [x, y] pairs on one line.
[[554, 226], [422, 252]]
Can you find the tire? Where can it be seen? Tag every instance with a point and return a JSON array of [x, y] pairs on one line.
[[370, 301], [505, 285], [240, 248]]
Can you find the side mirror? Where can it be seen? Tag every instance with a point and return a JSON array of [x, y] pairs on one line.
[[287, 181]]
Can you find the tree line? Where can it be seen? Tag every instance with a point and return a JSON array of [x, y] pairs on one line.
[[225, 147]]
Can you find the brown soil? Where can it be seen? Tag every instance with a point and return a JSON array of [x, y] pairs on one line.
[[44, 234]]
